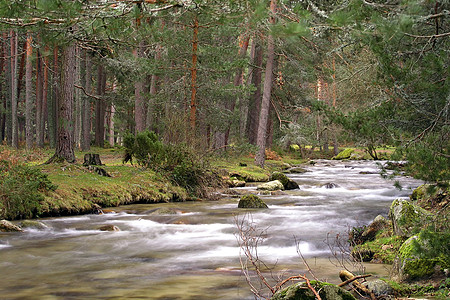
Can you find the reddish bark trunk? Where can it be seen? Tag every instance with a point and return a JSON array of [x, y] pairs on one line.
[[193, 110], [28, 94]]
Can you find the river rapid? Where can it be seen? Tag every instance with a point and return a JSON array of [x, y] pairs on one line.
[[192, 252]]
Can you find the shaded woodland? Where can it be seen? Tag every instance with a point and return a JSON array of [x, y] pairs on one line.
[[223, 75]]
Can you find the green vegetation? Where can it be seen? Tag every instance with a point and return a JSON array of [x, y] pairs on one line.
[[22, 190]]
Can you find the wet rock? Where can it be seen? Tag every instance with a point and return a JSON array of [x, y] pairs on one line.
[[406, 217], [33, 224], [371, 231], [165, 211], [251, 201], [288, 184], [109, 227], [232, 183], [301, 291], [271, 186], [296, 170], [379, 287], [7, 226], [330, 185], [278, 193]]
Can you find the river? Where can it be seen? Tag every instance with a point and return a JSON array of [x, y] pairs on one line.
[[194, 253]]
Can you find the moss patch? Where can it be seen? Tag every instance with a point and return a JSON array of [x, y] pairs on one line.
[[344, 154]]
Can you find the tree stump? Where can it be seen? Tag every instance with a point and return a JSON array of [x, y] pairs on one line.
[[92, 159]]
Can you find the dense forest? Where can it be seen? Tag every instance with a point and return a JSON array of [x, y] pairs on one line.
[[222, 74]]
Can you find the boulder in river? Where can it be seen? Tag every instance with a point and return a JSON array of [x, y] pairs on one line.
[[7, 226], [296, 170], [33, 224], [371, 231], [330, 185], [251, 201], [288, 183], [109, 227], [301, 291], [271, 186], [379, 287]]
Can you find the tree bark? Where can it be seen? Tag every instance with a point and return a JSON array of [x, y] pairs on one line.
[[100, 107], [151, 120], [265, 103], [2, 98], [139, 103], [77, 100], [39, 106], [254, 105], [14, 53], [28, 94], [53, 101], [64, 142], [193, 109], [86, 109]]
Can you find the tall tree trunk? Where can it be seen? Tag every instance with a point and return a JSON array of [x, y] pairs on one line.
[[39, 106], [254, 105], [2, 97], [86, 109], [335, 141], [28, 94], [77, 100], [265, 103], [100, 107], [111, 125], [44, 117], [151, 120], [193, 110], [139, 87], [53, 101], [14, 80], [64, 142]]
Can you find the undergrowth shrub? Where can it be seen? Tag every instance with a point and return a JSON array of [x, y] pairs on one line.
[[182, 165], [21, 190]]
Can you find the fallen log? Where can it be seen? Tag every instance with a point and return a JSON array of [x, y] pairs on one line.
[[347, 277]]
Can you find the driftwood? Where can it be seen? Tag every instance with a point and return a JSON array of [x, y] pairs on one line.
[[348, 277]]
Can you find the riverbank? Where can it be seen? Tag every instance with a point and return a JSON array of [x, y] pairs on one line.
[[79, 189]]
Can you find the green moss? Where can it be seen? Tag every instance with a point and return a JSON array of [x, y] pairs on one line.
[[251, 201], [281, 177], [382, 250], [344, 154], [300, 291]]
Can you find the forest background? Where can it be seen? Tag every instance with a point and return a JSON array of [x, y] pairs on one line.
[[223, 75]]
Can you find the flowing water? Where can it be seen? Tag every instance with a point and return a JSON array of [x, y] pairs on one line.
[[194, 254]]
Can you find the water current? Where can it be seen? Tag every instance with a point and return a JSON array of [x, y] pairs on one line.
[[194, 254]]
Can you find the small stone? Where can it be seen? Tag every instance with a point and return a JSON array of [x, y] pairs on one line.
[[7, 226], [109, 227]]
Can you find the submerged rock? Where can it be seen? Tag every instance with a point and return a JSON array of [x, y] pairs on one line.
[[330, 185], [33, 224], [271, 186], [251, 201], [297, 170], [300, 291], [7, 226], [109, 227]]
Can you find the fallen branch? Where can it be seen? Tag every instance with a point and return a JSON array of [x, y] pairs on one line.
[[347, 276]]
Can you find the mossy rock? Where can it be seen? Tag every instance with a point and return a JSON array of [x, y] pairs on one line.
[[407, 218], [422, 255], [300, 291], [288, 183], [380, 250], [33, 224], [296, 170], [344, 154], [251, 201], [271, 186]]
